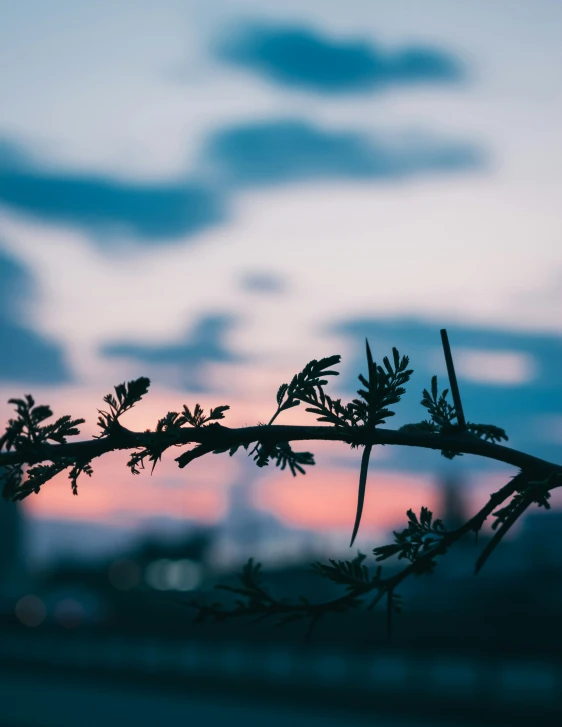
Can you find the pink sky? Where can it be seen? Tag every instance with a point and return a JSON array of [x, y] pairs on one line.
[[322, 500], [476, 245]]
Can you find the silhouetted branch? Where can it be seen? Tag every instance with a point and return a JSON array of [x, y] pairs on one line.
[[43, 450]]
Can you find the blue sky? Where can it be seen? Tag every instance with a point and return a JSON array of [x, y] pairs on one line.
[[214, 193]]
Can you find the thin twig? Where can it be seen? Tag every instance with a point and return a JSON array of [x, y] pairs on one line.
[[502, 530], [453, 380]]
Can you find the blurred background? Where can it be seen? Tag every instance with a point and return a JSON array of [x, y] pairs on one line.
[[212, 194]]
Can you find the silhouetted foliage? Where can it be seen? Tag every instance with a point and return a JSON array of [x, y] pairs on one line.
[[27, 443]]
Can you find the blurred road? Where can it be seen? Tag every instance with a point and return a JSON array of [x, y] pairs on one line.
[[31, 700]]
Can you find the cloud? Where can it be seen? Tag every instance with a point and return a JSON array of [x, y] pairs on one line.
[[204, 345], [25, 356], [271, 152], [299, 57], [513, 403], [287, 151], [103, 205], [262, 282]]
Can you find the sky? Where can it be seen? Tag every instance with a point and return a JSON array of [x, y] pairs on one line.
[[214, 193]]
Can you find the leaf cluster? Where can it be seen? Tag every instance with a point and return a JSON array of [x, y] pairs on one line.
[[528, 489], [308, 387], [253, 597], [487, 432], [167, 429], [41, 473], [251, 582], [198, 418], [352, 574], [383, 388], [421, 536], [305, 384], [126, 396], [444, 420], [26, 430], [284, 456], [26, 434], [329, 410]]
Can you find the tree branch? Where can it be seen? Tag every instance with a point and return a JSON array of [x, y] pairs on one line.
[[29, 443], [225, 438]]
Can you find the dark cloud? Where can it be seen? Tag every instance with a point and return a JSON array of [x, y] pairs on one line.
[[12, 156], [205, 344], [280, 151], [25, 356], [262, 282], [299, 57], [101, 205], [287, 151], [514, 407]]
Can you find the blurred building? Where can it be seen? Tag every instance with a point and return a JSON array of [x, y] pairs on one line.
[[453, 506], [249, 531]]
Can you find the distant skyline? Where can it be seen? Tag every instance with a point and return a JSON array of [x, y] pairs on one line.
[[212, 194]]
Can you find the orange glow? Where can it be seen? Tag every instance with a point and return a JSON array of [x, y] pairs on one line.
[[113, 493], [325, 500]]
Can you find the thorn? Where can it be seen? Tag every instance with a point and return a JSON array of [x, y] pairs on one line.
[[362, 487], [453, 380]]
